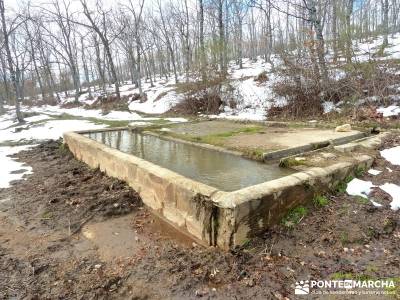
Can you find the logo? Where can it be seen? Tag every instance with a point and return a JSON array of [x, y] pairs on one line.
[[345, 286], [302, 287]]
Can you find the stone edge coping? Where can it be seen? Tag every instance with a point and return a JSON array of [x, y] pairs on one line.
[[232, 199], [236, 198], [167, 174], [278, 154], [201, 145]]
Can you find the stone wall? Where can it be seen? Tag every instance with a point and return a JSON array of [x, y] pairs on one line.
[[210, 216], [181, 201], [248, 212]]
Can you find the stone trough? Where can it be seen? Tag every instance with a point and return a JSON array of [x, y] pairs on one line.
[[215, 216]]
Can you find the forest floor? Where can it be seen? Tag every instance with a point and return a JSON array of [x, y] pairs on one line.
[[70, 232]]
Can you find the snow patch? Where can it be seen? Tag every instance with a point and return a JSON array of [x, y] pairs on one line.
[[392, 110], [328, 106], [394, 191], [10, 169], [138, 123], [358, 187], [53, 129], [374, 172], [392, 155]]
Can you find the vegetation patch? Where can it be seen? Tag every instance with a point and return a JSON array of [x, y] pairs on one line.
[[350, 276], [360, 171], [294, 216], [216, 139], [320, 201], [291, 162], [342, 185], [255, 154]]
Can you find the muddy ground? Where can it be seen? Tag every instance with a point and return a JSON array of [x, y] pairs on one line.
[[69, 232], [245, 137]]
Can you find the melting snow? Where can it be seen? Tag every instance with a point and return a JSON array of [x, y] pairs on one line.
[[50, 130], [358, 187], [138, 123], [394, 191], [328, 106], [374, 172], [392, 155], [10, 169], [392, 110]]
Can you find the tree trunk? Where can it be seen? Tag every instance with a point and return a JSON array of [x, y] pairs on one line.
[[385, 22], [334, 31], [240, 42], [221, 39], [33, 56], [202, 48], [138, 67], [349, 11], [13, 76], [316, 23], [85, 68]]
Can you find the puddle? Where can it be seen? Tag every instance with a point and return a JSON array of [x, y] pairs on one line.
[[221, 170], [117, 237], [113, 238]]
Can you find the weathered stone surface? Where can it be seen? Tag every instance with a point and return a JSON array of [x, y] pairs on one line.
[[343, 128], [213, 217]]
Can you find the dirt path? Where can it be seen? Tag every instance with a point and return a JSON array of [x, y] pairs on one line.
[[73, 233]]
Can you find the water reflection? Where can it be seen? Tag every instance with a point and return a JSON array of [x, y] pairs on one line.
[[221, 170]]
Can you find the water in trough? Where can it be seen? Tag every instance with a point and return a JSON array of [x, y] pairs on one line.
[[224, 171]]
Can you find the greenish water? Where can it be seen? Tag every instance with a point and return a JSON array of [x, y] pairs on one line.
[[224, 171]]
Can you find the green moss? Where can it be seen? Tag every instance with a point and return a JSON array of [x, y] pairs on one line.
[[291, 162], [256, 154], [294, 216], [362, 200], [350, 276], [342, 185], [47, 215], [360, 171], [320, 201], [344, 238]]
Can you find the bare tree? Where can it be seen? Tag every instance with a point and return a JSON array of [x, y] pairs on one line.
[[100, 22], [6, 32], [385, 11]]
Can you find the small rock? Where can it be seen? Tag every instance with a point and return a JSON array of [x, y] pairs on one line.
[[343, 128], [328, 155], [300, 158], [250, 282], [98, 266], [201, 293], [375, 130]]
